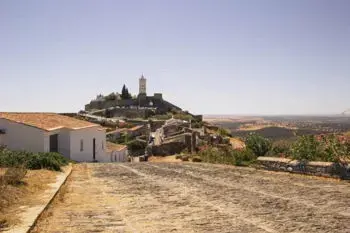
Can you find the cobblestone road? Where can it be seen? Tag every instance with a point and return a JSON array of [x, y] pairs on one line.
[[191, 197]]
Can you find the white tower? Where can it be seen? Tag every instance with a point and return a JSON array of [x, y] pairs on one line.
[[142, 85]]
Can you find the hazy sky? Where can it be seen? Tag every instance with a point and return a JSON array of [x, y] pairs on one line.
[[210, 57]]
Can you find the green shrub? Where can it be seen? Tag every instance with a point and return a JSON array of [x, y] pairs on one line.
[[227, 156], [281, 147], [136, 145], [306, 148], [243, 157], [224, 132], [327, 148], [49, 160], [258, 144], [335, 150]]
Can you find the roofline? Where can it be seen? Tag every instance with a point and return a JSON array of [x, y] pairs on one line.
[[25, 124], [51, 129]]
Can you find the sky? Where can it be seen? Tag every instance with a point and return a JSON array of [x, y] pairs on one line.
[[208, 57]]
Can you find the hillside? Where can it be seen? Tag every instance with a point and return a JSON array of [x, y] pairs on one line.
[[268, 132]]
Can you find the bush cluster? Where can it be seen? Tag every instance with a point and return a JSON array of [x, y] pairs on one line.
[[227, 156], [329, 148], [29, 160], [258, 144], [136, 147]]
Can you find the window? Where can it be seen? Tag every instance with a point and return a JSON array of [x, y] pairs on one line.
[[81, 144], [103, 146]]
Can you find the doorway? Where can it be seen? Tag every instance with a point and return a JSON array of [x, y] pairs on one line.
[[54, 143], [94, 149]]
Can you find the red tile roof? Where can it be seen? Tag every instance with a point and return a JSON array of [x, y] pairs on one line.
[[46, 121], [114, 147]]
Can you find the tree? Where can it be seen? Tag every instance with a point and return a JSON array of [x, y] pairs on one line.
[[281, 147], [335, 148], [136, 147], [125, 93], [111, 96], [307, 147], [258, 144]]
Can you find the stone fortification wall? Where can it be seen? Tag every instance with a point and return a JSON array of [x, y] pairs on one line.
[[142, 100], [326, 169], [129, 112]]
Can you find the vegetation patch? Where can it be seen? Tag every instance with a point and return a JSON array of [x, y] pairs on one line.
[[136, 147], [18, 187], [226, 155], [29, 160], [258, 144], [328, 148]]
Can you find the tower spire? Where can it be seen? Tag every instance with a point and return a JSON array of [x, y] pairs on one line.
[[142, 85]]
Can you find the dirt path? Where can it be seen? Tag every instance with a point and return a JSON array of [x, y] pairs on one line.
[[189, 197]]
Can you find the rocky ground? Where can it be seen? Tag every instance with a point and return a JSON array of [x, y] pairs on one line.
[[191, 197]]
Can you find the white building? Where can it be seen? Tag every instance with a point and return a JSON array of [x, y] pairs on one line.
[[116, 153], [77, 140]]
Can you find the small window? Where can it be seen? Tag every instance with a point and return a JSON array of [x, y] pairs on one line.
[[81, 145], [103, 147]]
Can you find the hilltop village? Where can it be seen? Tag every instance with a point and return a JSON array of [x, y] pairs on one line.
[[126, 105], [149, 125]]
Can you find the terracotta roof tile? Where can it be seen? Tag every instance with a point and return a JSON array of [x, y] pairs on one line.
[[114, 147], [46, 121]]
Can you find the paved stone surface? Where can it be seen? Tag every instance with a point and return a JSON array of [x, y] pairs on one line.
[[191, 197]]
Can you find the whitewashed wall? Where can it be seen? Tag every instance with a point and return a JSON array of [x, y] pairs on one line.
[[87, 135], [22, 137], [118, 156], [63, 141]]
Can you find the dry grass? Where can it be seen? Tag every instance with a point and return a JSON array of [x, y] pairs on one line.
[[237, 143], [25, 193], [252, 127], [165, 159]]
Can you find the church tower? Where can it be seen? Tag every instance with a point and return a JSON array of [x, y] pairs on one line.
[[142, 85]]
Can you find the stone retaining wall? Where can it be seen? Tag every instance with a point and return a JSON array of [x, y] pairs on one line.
[[326, 169], [169, 148]]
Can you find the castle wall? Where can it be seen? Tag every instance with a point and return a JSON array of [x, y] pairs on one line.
[[129, 112]]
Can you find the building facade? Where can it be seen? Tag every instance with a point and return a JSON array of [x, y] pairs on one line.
[[75, 139]]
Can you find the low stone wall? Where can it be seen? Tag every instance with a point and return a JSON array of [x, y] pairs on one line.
[[326, 169], [169, 148]]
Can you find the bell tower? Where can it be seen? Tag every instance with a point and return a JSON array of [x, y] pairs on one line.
[[142, 85]]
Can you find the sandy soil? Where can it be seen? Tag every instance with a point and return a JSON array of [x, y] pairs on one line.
[[237, 143], [164, 159], [195, 197], [24, 195]]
